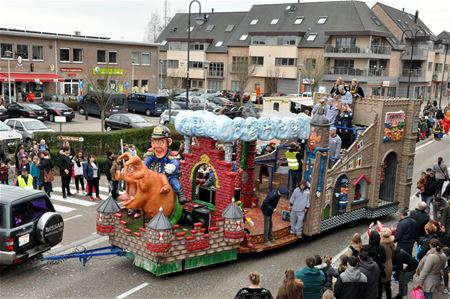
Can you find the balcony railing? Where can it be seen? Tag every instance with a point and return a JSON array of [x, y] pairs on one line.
[[349, 71], [419, 53], [414, 73], [383, 50]]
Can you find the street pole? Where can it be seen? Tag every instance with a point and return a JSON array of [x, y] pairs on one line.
[[9, 82], [160, 75], [188, 85], [443, 73], [410, 65], [132, 75], [299, 68]]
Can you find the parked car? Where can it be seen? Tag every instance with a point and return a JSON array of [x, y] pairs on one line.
[[220, 101], [27, 127], [117, 104], [199, 104], [26, 110], [3, 113], [57, 109], [164, 117], [9, 139], [30, 225], [150, 104], [180, 101], [120, 121]]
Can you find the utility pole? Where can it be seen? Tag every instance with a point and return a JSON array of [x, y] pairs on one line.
[[165, 12]]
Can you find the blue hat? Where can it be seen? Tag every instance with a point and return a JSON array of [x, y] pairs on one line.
[[24, 168], [283, 190]]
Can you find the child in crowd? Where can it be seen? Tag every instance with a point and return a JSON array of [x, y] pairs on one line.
[[11, 173], [35, 172], [329, 272], [343, 264], [3, 173]]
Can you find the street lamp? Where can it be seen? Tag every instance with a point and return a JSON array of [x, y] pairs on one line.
[[9, 54], [133, 61], [299, 68], [161, 62], [206, 67], [445, 43], [413, 40], [199, 20]]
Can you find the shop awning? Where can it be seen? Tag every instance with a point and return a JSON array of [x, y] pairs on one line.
[[31, 77]]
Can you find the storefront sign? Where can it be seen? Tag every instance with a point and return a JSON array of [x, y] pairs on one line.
[[385, 83], [394, 124], [71, 69], [107, 71], [71, 74]]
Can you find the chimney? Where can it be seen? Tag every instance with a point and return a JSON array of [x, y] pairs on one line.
[[212, 10], [403, 9], [78, 33]]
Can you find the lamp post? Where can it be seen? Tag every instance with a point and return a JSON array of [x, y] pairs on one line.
[[9, 53], [132, 74], [445, 43], [413, 40], [299, 83], [160, 75], [199, 20], [206, 66]]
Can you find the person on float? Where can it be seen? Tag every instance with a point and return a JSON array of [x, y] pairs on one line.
[[268, 207], [163, 160], [299, 205], [294, 160], [356, 90], [24, 180], [335, 147]]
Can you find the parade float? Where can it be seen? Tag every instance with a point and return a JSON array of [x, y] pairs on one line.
[[183, 223]]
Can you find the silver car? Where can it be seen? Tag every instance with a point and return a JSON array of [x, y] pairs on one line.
[[27, 127], [9, 139], [164, 117]]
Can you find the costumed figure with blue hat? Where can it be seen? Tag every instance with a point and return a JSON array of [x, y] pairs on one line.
[[342, 196]]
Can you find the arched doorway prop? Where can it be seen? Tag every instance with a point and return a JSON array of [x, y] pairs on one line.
[[387, 177], [361, 186]]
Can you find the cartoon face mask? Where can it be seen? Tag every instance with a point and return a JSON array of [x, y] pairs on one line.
[[239, 127], [283, 129], [251, 128], [183, 123]]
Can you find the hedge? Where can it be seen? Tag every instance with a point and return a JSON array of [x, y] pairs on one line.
[[99, 143]]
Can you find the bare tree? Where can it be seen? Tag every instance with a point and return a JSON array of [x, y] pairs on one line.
[[314, 69], [243, 71], [271, 80], [102, 83], [154, 27]]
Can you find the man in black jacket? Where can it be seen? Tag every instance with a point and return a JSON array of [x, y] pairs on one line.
[[406, 232], [352, 283], [429, 189], [421, 217], [400, 259], [268, 206], [369, 268], [65, 170]]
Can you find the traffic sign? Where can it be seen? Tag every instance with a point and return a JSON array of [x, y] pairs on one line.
[[127, 85], [60, 119]]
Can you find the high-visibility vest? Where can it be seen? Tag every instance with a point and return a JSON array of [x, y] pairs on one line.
[[21, 182], [292, 160]]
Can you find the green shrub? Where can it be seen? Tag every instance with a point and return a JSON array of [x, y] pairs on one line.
[[99, 143]]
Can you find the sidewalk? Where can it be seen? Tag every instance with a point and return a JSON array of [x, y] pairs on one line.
[[437, 295]]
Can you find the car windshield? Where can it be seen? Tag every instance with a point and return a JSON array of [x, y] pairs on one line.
[[57, 105], [34, 125], [4, 127], [33, 106], [28, 211], [136, 119]]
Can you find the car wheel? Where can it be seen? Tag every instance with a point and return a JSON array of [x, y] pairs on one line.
[[51, 118], [108, 128], [50, 228], [148, 112], [81, 111]]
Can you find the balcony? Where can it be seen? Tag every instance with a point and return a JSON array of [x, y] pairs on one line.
[[380, 52], [416, 75], [363, 75], [418, 54]]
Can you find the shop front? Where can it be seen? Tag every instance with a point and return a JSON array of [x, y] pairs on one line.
[[31, 86]]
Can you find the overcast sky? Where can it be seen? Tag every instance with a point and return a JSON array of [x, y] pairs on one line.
[[127, 19]]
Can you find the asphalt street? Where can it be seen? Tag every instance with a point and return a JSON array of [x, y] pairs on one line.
[[108, 277]]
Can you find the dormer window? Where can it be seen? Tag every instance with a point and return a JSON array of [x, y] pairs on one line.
[[163, 43], [229, 28], [311, 37], [274, 22], [322, 20], [219, 44], [243, 37], [209, 28], [190, 29], [254, 22], [298, 20]]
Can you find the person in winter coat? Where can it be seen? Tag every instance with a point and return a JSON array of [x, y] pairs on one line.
[[369, 268], [376, 253], [78, 161], [254, 290], [445, 221], [402, 258], [421, 217], [313, 279], [46, 167], [424, 242], [299, 205], [92, 175], [329, 272], [439, 204], [430, 188], [352, 283], [3, 173], [268, 206], [429, 270], [441, 174], [291, 288], [65, 170], [355, 246], [387, 241], [406, 232]]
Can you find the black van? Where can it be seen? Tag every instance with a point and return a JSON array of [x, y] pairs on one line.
[[150, 104], [117, 104]]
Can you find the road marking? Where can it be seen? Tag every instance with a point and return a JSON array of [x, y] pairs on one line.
[[133, 290], [424, 145], [63, 209], [59, 190], [73, 217], [71, 200], [102, 189]]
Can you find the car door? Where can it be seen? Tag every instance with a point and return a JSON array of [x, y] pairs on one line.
[[125, 122], [132, 102], [114, 122], [143, 103], [18, 127], [13, 110]]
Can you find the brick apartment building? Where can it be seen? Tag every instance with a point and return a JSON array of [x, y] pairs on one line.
[[284, 44], [52, 63]]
